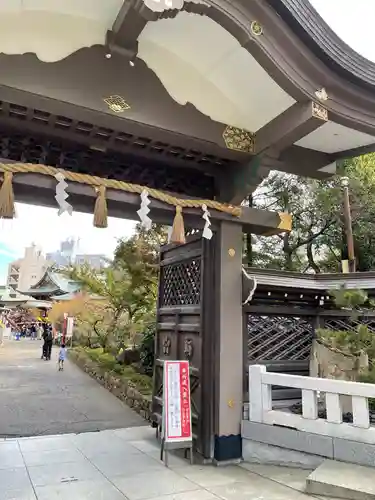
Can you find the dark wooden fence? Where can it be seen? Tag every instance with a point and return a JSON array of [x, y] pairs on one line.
[[280, 325]]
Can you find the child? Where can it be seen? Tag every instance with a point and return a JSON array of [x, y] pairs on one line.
[[62, 357]]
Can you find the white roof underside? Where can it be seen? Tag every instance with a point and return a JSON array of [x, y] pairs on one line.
[[197, 61], [201, 63], [54, 29], [332, 137]]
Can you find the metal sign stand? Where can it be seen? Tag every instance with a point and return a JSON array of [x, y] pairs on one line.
[[176, 398], [165, 447]]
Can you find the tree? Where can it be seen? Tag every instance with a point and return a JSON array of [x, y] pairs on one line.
[[293, 251], [128, 284], [91, 314], [361, 174], [317, 241], [22, 316]]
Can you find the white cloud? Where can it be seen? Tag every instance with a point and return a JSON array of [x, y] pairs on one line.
[[352, 21], [42, 226]]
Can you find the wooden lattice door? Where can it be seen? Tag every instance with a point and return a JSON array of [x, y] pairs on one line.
[[183, 315]]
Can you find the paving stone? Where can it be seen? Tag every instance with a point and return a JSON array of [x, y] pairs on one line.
[[342, 480], [289, 476], [256, 488], [154, 484], [72, 472], [84, 490]]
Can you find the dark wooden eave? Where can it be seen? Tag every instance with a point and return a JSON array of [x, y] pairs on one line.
[[322, 283], [290, 126], [299, 15], [129, 24], [39, 98], [41, 189], [36, 98]]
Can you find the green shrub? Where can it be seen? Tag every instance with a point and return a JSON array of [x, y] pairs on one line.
[[94, 354], [108, 362], [118, 369], [140, 380]]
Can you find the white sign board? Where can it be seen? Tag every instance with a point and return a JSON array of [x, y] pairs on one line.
[[176, 402], [69, 327]]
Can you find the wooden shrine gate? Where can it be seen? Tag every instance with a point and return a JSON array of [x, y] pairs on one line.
[[185, 330]]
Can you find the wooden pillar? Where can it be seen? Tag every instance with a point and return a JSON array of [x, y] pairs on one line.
[[229, 344]]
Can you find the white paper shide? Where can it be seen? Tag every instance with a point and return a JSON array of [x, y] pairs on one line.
[[144, 210], [61, 195]]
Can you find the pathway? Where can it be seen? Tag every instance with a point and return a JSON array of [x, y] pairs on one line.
[[36, 399], [113, 464], [124, 464]]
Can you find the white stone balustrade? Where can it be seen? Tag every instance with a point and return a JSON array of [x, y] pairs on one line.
[[261, 411]]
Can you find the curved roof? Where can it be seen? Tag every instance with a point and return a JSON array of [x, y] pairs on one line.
[[307, 23], [89, 20], [53, 283], [201, 79]]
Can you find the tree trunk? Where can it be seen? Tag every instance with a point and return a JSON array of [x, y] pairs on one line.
[[287, 253], [310, 258], [248, 240], [110, 331], [249, 249]]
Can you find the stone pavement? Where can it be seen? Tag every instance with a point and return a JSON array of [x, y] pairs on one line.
[[35, 398], [124, 464]]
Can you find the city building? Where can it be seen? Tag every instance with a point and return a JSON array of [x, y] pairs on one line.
[[95, 261], [67, 255], [25, 272]]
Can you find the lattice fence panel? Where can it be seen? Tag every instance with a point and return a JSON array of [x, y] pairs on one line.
[[181, 283], [274, 338], [346, 323]]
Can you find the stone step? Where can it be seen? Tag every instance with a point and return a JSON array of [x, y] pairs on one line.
[[342, 480]]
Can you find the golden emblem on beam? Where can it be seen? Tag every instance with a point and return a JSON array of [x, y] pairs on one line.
[[319, 111], [256, 28], [284, 225], [116, 103], [285, 221], [239, 139]]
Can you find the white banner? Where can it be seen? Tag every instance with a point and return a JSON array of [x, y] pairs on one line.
[[69, 327], [176, 404]]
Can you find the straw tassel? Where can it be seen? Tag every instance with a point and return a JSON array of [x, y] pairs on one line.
[[178, 229], [101, 210], [7, 197]]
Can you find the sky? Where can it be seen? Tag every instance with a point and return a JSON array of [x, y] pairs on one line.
[[42, 226], [351, 20]]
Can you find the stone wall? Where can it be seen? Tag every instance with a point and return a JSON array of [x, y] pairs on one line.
[[327, 363], [118, 386]]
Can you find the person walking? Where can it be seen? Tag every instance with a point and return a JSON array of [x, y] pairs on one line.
[[33, 332], [62, 357], [48, 340]]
